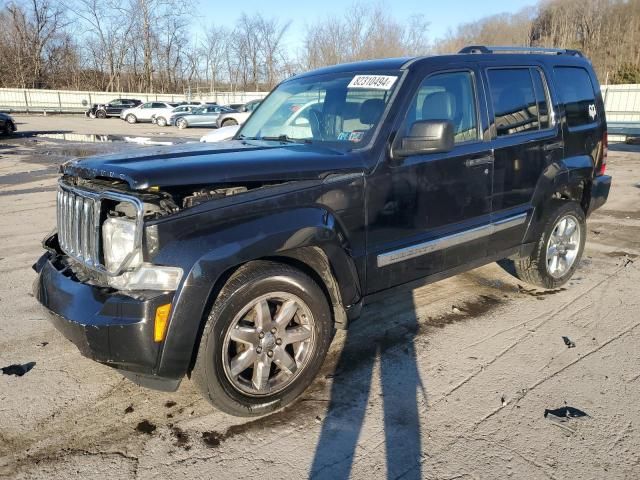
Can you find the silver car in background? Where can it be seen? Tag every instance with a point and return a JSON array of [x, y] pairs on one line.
[[237, 117], [205, 116], [161, 118]]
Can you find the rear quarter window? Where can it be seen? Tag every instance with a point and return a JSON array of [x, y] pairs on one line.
[[577, 94]]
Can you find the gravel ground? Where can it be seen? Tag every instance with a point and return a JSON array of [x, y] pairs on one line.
[[451, 380]]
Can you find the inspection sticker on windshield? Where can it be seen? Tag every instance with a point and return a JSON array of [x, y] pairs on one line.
[[375, 82]]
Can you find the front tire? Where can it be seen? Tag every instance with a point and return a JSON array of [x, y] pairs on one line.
[[182, 124], [101, 114], [229, 122], [264, 341], [161, 121], [131, 118], [559, 250]]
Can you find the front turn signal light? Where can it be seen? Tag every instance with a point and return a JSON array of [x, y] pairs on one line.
[[161, 322]]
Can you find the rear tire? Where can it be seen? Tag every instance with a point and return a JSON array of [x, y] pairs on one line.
[[181, 123], [131, 118], [232, 387], [559, 250], [229, 122]]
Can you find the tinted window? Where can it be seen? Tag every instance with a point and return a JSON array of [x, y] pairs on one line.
[[158, 105], [576, 92], [514, 100], [447, 96]]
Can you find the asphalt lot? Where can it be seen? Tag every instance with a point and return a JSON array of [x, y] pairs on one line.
[[451, 380]]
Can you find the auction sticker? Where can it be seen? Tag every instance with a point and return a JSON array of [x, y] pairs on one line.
[[375, 82]]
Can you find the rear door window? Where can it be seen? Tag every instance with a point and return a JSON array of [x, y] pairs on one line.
[[518, 106], [577, 94]]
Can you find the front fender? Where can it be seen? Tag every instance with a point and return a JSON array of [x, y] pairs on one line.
[[214, 253]]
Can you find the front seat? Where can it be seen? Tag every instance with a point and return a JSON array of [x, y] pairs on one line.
[[439, 106], [371, 111]]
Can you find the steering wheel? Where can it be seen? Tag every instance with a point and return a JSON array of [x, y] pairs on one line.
[[315, 123]]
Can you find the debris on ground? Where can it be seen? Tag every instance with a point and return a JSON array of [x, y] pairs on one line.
[[568, 342], [145, 426], [211, 439], [18, 370], [564, 413], [170, 404], [129, 409], [42, 344]]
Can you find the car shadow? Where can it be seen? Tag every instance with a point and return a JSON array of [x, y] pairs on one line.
[[389, 343]]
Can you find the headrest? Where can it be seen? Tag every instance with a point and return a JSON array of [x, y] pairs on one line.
[[371, 110], [439, 106]]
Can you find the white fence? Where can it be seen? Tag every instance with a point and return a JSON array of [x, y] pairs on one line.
[[622, 102], [66, 101]]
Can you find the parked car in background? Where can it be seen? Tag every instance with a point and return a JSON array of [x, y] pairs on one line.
[[161, 118], [221, 134], [144, 112], [7, 124], [238, 117], [205, 116], [235, 106], [111, 109]]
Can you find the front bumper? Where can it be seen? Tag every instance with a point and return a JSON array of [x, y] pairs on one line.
[[599, 192], [106, 326]]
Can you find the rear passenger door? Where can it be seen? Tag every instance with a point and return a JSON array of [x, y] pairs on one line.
[[526, 140]]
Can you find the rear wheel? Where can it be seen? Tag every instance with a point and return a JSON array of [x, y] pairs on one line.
[[131, 118], [264, 341], [181, 123], [229, 122], [558, 252]]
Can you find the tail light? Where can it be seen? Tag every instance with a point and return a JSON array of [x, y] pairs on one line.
[[605, 152]]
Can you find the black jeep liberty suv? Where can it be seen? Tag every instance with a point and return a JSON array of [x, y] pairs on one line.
[[233, 263]]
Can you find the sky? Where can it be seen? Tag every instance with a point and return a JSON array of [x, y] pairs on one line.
[[442, 14]]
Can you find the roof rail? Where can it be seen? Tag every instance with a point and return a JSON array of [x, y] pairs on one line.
[[507, 49]]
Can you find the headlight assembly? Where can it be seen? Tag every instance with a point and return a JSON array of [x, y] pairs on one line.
[[119, 241]]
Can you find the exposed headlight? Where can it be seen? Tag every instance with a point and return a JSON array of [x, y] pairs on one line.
[[148, 277], [119, 240]]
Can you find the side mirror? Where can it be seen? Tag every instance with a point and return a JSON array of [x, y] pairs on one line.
[[426, 136]]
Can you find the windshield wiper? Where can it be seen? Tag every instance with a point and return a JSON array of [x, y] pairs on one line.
[[284, 139]]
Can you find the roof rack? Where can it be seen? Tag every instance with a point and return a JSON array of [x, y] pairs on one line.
[[507, 49]]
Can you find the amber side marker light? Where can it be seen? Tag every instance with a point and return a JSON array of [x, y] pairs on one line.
[[161, 322]]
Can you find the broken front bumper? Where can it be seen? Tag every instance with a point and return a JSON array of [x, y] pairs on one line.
[[106, 326]]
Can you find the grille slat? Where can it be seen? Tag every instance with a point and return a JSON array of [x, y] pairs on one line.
[[78, 215]]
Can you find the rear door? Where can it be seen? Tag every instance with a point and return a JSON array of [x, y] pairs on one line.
[[526, 139]]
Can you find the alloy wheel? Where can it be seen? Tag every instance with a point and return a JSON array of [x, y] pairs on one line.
[[563, 246]]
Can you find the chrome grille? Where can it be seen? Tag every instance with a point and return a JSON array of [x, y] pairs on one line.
[[78, 218]]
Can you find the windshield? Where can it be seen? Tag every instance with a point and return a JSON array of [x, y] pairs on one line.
[[343, 109]]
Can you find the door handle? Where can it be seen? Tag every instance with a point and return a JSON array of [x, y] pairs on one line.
[[474, 162]]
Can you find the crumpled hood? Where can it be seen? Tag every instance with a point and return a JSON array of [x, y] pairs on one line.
[[219, 163]]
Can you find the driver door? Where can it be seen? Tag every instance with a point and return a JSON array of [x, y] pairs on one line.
[[431, 212]]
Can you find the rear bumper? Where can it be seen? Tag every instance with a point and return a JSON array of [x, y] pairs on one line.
[[106, 326], [599, 192]]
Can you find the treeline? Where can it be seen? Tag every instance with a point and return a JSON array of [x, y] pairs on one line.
[[162, 45], [606, 31]]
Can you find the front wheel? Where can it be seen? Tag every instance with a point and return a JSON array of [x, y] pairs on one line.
[[229, 122], [558, 252], [182, 123], [161, 121], [101, 114], [264, 341]]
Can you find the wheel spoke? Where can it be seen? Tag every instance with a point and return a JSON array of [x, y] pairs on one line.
[[552, 251], [263, 315], [296, 334], [242, 361], [562, 226], [261, 370], [244, 335], [553, 267], [284, 360], [571, 246], [569, 230], [563, 265], [286, 313]]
